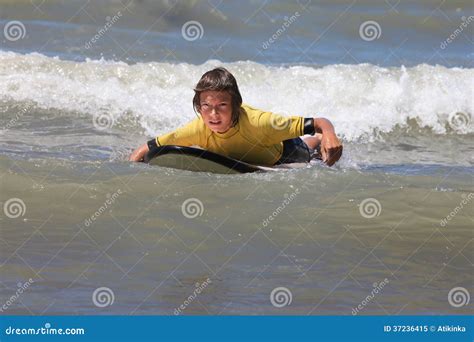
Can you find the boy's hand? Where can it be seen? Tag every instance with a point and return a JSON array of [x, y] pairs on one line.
[[139, 153], [331, 148]]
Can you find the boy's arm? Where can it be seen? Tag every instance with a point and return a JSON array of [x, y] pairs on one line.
[[187, 135], [277, 128], [139, 153], [331, 147]]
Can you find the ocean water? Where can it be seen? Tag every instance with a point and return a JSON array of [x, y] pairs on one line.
[[388, 230]]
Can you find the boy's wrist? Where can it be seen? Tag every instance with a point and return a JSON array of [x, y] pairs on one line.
[[324, 126]]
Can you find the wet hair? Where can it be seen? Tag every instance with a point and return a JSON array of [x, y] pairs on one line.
[[219, 79]]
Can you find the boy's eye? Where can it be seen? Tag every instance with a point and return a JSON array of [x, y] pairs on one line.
[[205, 106]]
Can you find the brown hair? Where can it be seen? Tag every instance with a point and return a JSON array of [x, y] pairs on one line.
[[219, 79]]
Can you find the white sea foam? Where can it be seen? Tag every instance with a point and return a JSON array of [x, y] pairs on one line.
[[357, 98]]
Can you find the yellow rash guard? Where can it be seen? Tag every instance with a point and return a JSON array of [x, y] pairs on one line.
[[256, 139]]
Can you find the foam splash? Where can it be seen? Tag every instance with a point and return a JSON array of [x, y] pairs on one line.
[[359, 99]]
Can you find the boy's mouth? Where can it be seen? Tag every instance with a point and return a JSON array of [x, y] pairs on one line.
[[216, 122]]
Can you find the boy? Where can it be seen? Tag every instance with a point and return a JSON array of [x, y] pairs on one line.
[[228, 127]]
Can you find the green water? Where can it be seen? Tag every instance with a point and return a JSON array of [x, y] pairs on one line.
[[151, 251]]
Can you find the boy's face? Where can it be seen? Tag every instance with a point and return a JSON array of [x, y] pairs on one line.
[[216, 110]]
